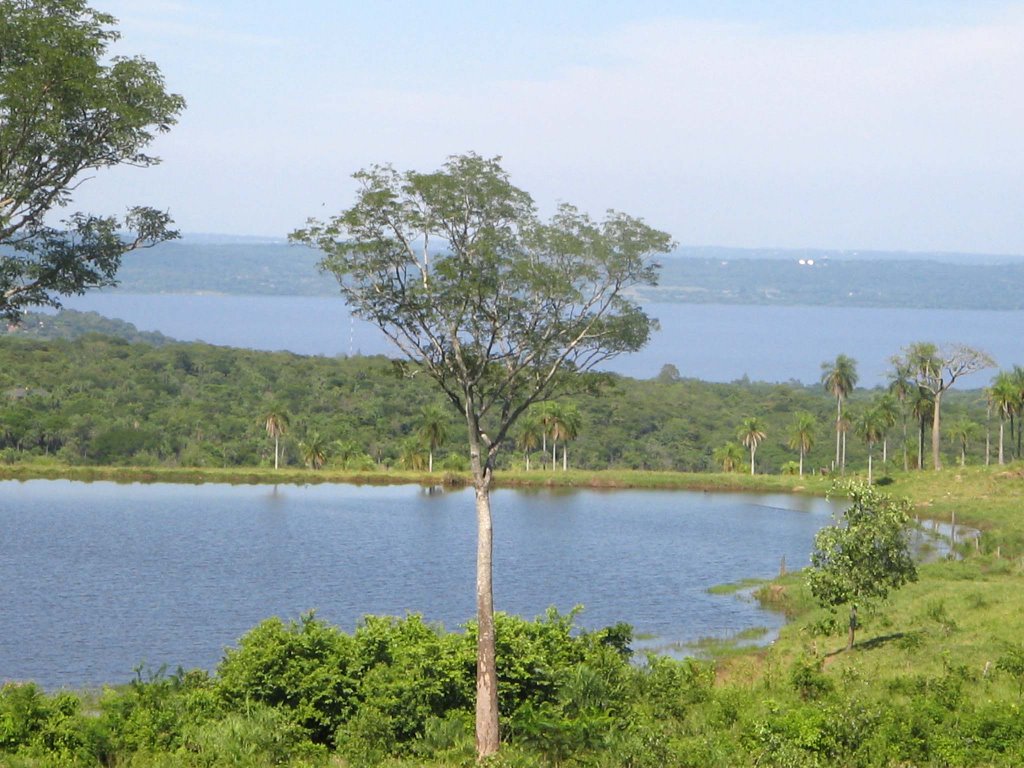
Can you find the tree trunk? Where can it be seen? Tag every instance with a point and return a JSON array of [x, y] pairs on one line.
[[487, 736], [554, 455], [275, 452], [430, 462], [1001, 462], [527, 453], [752, 451], [853, 627], [839, 419], [565, 456], [906, 462], [842, 464], [869, 463], [801, 462], [936, 459], [920, 443]]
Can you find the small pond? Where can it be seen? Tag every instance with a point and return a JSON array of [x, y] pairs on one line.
[[97, 578]]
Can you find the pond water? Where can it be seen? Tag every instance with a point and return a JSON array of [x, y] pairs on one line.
[[97, 578]]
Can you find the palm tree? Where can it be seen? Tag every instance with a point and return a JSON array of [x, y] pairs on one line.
[[750, 433], [962, 431], [1018, 381], [922, 405], [411, 454], [729, 456], [801, 435], [276, 420], [888, 412], [548, 414], [433, 431], [839, 378], [314, 450], [530, 435], [902, 386], [345, 451], [871, 427], [566, 427], [1004, 397]]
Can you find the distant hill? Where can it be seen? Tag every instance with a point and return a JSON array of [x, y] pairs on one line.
[[72, 324], [212, 264]]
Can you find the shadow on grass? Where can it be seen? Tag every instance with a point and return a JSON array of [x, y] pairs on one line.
[[869, 645]]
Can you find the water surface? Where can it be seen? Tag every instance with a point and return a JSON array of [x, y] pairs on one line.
[[96, 578], [712, 342]]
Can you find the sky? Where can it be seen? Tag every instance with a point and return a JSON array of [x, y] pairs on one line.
[[875, 125]]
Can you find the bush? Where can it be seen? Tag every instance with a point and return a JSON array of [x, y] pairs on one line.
[[307, 668]]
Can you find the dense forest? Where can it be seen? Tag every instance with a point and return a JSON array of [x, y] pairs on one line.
[[102, 399]]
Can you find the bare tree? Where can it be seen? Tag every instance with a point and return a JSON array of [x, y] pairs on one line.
[[936, 369]]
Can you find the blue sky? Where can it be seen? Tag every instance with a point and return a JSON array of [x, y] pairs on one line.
[[869, 125]]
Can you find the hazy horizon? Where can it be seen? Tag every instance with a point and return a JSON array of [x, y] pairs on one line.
[[875, 126]]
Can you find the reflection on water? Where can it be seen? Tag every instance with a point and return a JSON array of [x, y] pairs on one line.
[[96, 578]]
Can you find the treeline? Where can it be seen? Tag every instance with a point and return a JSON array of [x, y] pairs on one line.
[[72, 324], [103, 400], [400, 692], [690, 275]]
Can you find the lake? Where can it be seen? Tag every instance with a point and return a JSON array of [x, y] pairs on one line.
[[96, 578], [713, 342]]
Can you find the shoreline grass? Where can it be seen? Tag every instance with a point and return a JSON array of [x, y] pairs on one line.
[[610, 479]]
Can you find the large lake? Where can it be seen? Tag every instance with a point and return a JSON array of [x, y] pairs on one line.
[[96, 578], [712, 342]]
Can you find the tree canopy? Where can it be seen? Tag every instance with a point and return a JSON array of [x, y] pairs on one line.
[[499, 308], [865, 555], [66, 109]]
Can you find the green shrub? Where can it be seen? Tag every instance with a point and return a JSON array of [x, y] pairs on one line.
[[307, 668]]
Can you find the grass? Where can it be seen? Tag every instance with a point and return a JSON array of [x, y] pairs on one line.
[[42, 468], [734, 587], [960, 617]]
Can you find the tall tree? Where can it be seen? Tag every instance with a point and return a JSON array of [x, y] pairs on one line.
[[276, 423], [839, 378], [922, 407], [1018, 380], [871, 427], [751, 433], [936, 370], [500, 309], [529, 439], [547, 415], [801, 434], [961, 432], [433, 430], [67, 108], [902, 387], [565, 428], [887, 409], [1005, 399]]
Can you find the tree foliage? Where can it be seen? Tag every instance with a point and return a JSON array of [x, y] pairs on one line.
[[67, 109], [936, 370], [865, 555], [499, 308]]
